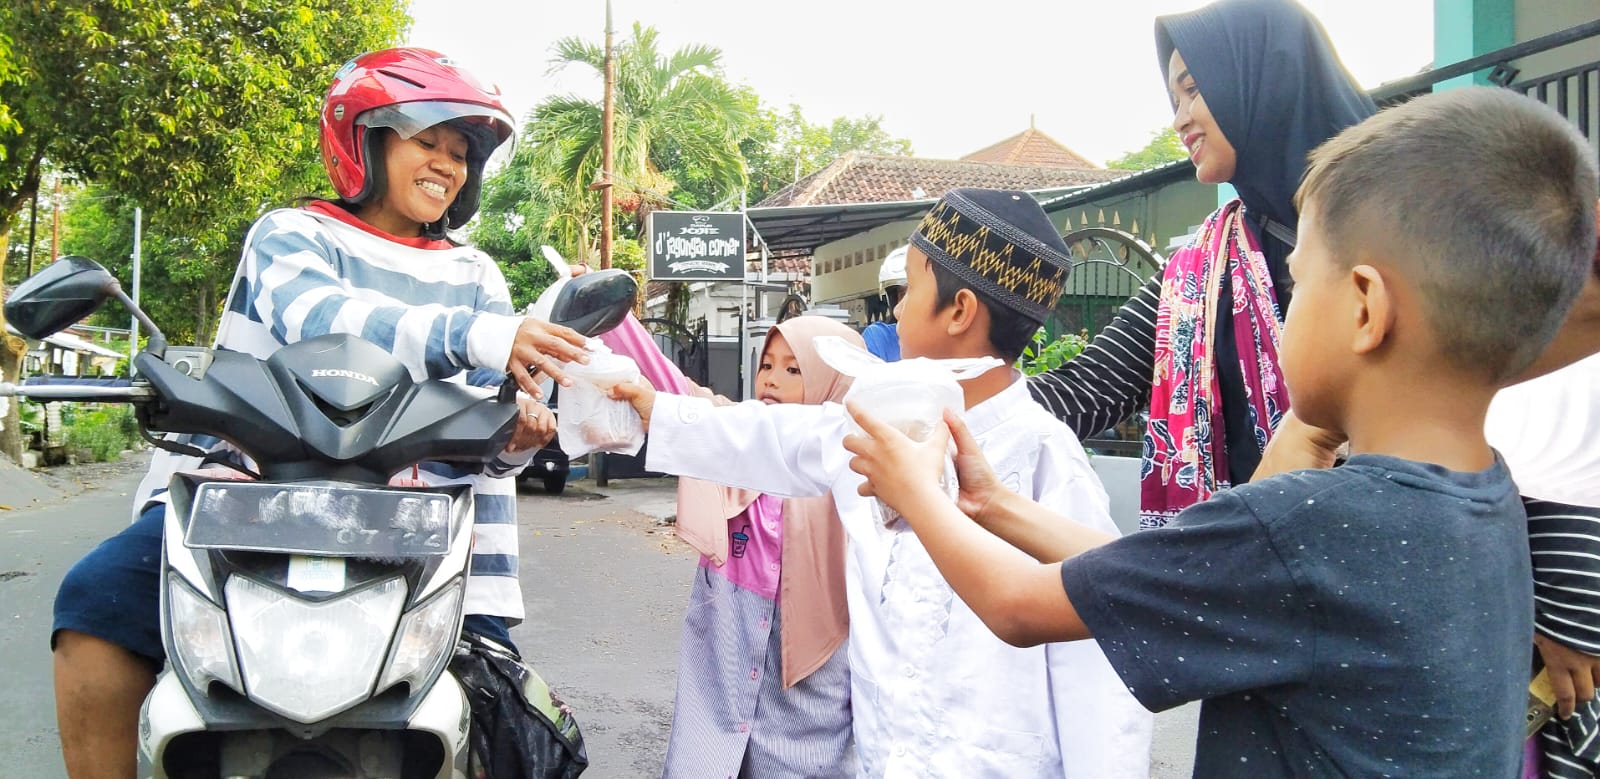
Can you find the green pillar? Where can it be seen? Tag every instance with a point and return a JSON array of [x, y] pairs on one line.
[[1463, 29], [1225, 192]]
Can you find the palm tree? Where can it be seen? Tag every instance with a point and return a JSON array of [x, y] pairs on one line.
[[673, 113]]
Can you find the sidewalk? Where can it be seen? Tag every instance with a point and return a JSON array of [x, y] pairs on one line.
[[22, 489]]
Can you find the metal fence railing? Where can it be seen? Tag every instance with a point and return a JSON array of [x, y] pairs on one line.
[[1573, 93]]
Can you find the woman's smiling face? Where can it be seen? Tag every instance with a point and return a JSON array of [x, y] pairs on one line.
[[1213, 156], [422, 176]]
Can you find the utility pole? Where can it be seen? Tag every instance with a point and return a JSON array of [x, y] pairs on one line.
[[133, 330], [33, 224], [605, 146], [55, 218]]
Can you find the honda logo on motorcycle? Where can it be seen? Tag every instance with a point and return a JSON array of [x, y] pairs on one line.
[[343, 374]]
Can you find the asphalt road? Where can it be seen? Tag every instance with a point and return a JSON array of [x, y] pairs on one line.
[[39, 541], [605, 587]]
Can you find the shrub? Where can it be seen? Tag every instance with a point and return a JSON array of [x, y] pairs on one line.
[[32, 418], [1045, 355], [103, 430]]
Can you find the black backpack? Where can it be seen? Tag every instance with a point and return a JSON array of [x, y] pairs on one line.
[[520, 729]]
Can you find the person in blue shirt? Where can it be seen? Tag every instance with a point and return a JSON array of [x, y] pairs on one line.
[[883, 338]]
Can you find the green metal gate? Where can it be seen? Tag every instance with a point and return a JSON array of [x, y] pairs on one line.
[[1108, 267]]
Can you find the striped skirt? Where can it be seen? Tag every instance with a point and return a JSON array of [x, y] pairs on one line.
[[732, 717]]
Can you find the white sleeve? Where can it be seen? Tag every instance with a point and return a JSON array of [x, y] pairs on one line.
[[1065, 482], [791, 451], [1101, 728]]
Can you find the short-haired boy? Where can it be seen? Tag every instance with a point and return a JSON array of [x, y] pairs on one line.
[[934, 692], [1372, 619]]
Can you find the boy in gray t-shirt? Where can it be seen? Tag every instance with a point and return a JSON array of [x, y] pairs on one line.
[[1373, 619]]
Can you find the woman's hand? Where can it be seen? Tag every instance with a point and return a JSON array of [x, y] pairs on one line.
[[536, 425], [900, 472], [695, 390], [1572, 673], [1296, 446], [539, 348]]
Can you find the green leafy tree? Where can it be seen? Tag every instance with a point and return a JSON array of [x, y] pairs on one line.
[[865, 134], [1164, 147], [783, 146], [684, 136], [100, 225], [16, 262], [676, 119], [671, 111], [203, 112]]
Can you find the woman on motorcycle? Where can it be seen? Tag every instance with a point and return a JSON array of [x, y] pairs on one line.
[[405, 136]]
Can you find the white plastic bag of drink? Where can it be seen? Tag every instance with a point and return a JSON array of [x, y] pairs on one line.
[[588, 420], [910, 395]]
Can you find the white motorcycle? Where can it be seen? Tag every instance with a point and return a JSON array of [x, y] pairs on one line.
[[308, 616]]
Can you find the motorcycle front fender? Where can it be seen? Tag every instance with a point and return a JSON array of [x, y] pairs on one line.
[[166, 714], [444, 712]]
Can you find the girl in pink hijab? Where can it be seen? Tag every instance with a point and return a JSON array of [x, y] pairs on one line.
[[763, 681]]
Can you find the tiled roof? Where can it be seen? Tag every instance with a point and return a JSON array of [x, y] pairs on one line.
[[796, 262], [868, 178], [1031, 147]]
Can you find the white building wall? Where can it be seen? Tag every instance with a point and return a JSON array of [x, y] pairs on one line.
[[1542, 17], [846, 271], [719, 303]]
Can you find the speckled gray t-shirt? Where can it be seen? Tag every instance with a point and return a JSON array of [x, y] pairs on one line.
[[1374, 619]]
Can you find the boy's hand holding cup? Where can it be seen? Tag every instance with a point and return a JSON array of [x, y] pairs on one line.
[[977, 485], [901, 470]]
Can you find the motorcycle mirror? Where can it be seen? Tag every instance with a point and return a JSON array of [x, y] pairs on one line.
[[55, 298], [592, 303]]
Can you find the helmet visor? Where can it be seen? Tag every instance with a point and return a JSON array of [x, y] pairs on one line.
[[408, 119]]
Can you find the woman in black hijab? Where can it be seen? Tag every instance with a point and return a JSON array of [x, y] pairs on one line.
[[1255, 85]]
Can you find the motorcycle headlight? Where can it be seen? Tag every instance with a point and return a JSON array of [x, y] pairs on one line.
[[309, 661], [427, 637], [200, 637]]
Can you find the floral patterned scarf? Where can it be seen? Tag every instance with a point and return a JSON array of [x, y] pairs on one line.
[[1185, 457]]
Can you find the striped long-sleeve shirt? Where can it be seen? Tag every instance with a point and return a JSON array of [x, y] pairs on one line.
[[1113, 375], [442, 310], [1548, 432]]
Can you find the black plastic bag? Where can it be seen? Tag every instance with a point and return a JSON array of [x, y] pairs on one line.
[[520, 729]]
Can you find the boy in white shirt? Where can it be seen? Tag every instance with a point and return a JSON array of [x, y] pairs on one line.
[[934, 692]]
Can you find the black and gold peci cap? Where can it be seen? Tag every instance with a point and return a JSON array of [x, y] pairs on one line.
[[999, 243]]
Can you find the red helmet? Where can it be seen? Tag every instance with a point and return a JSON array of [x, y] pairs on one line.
[[408, 91]]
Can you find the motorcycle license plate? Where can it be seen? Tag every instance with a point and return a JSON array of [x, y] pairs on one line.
[[319, 520]]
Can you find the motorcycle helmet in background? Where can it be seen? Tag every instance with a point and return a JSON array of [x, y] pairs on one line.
[[892, 276], [408, 90], [882, 336]]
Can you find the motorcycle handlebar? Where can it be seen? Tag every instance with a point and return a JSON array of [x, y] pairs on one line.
[[49, 388]]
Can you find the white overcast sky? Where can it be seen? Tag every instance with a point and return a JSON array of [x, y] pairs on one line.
[[952, 77]]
